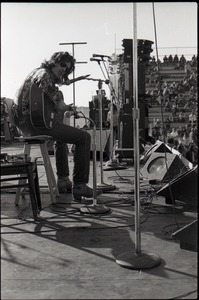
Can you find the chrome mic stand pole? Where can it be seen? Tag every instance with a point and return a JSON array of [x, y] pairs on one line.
[[137, 259], [103, 186], [94, 208]]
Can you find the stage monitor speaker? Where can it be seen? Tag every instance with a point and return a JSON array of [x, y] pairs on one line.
[[162, 148], [185, 161], [162, 167], [183, 188], [157, 147], [188, 236]]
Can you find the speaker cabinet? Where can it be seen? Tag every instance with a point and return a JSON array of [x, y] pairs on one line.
[[183, 188], [188, 236], [126, 124], [128, 79], [162, 167], [162, 148], [157, 147]]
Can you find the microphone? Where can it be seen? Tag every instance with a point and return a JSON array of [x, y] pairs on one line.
[[94, 59], [101, 55]]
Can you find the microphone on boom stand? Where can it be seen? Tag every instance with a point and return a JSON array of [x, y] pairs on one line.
[[101, 55], [95, 59]]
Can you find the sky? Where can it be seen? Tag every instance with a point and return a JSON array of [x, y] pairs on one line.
[[31, 32]]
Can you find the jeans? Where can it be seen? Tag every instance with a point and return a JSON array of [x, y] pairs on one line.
[[64, 134], [61, 159]]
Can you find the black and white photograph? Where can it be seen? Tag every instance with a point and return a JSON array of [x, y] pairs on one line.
[[99, 150]]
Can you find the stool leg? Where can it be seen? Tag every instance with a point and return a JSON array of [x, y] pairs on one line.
[[32, 191], [37, 190], [27, 148], [49, 173]]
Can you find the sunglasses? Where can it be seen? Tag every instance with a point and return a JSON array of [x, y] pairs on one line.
[[63, 64]]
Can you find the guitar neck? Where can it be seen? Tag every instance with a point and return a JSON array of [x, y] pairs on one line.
[[78, 78], [75, 79]]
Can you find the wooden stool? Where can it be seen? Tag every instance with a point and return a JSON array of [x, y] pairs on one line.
[[40, 140]]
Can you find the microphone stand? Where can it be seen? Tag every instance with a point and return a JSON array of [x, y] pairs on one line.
[[94, 208], [102, 186], [137, 259]]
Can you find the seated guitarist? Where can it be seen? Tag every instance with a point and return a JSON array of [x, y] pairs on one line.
[[48, 77]]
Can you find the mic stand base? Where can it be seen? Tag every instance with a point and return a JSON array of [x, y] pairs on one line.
[[106, 187], [113, 165], [138, 261], [95, 209]]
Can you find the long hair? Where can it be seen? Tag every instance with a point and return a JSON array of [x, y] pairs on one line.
[[58, 57]]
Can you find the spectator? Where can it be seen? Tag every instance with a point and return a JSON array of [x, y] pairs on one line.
[[176, 61], [157, 123], [186, 140], [171, 92], [181, 148], [174, 133], [192, 117], [188, 69], [174, 109], [156, 132], [195, 135], [181, 99], [181, 117], [165, 59], [182, 62], [165, 93], [171, 142], [171, 117], [191, 135], [191, 153], [193, 61], [167, 125], [180, 133], [170, 59]]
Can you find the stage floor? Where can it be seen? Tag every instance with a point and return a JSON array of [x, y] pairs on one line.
[[69, 254]]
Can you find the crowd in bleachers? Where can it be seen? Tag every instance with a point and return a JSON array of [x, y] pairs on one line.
[[180, 99]]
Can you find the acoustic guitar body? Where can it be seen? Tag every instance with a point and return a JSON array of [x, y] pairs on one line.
[[42, 109]]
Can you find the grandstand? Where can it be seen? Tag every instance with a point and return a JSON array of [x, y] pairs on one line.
[[169, 74]]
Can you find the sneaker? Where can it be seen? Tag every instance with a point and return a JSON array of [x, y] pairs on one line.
[[64, 185], [83, 190]]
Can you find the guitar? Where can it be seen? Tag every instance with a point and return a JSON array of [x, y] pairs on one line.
[[43, 111]]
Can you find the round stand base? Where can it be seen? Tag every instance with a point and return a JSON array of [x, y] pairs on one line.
[[113, 165], [95, 209], [138, 261], [106, 187]]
